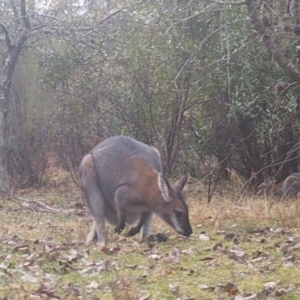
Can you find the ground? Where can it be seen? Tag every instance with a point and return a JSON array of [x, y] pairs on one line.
[[242, 247]]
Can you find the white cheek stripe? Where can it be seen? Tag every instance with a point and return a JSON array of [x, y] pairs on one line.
[[176, 224]]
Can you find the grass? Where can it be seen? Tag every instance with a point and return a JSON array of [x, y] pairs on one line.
[[239, 247]]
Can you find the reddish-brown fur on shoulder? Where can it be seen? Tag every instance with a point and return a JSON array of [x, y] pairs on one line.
[[147, 183]]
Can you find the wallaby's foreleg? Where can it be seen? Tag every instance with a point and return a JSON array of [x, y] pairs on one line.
[[147, 236], [144, 219], [147, 227], [121, 202], [122, 221]]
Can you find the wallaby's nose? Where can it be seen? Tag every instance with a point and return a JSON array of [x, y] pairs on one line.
[[188, 232]]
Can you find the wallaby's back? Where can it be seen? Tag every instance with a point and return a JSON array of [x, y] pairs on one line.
[[288, 187], [122, 160]]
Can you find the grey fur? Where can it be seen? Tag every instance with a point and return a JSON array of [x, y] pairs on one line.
[[122, 182]]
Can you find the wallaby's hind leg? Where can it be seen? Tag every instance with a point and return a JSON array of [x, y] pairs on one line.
[[92, 234], [94, 198]]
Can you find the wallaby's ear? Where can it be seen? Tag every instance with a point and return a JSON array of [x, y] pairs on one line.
[[164, 188], [180, 184]]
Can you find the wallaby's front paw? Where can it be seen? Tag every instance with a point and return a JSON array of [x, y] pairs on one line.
[[101, 245], [118, 229], [133, 231], [159, 237]]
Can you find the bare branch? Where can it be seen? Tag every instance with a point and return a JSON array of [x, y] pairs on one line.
[[15, 11], [228, 3], [46, 208], [289, 68], [39, 15], [7, 39], [24, 15], [121, 10], [289, 7]]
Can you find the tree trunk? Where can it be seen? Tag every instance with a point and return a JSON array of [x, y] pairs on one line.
[[14, 52], [4, 179]]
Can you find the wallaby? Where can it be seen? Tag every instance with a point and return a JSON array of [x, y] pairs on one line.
[[122, 182], [286, 188]]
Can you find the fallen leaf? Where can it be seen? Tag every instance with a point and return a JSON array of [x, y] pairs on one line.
[[203, 237], [217, 246], [270, 285], [154, 256], [203, 286], [145, 297], [73, 255], [133, 267], [252, 297], [228, 287], [239, 297], [174, 288], [237, 253], [206, 258], [21, 248], [93, 285], [189, 251], [29, 278], [277, 230], [283, 291]]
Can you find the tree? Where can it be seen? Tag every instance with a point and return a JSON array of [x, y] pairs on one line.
[[15, 37], [23, 28], [273, 21], [190, 77]]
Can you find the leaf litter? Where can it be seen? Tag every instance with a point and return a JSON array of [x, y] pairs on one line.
[[42, 256]]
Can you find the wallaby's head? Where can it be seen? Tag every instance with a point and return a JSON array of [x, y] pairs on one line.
[[173, 209]]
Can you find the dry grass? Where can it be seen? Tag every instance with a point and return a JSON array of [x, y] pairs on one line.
[[243, 247]]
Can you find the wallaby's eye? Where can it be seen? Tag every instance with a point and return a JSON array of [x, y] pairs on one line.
[[178, 214]]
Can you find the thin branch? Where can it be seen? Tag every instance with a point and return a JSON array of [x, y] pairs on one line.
[[24, 15], [229, 3], [7, 39], [38, 15], [187, 18], [289, 68], [48, 208], [15, 11]]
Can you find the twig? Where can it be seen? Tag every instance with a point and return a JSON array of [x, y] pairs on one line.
[[43, 241], [47, 207], [24, 15], [7, 38]]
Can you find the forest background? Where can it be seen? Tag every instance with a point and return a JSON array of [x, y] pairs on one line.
[[213, 84]]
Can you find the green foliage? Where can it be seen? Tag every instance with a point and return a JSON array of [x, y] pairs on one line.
[[191, 78]]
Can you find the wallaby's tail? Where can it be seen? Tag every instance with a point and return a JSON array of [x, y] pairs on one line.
[[93, 197], [88, 178]]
